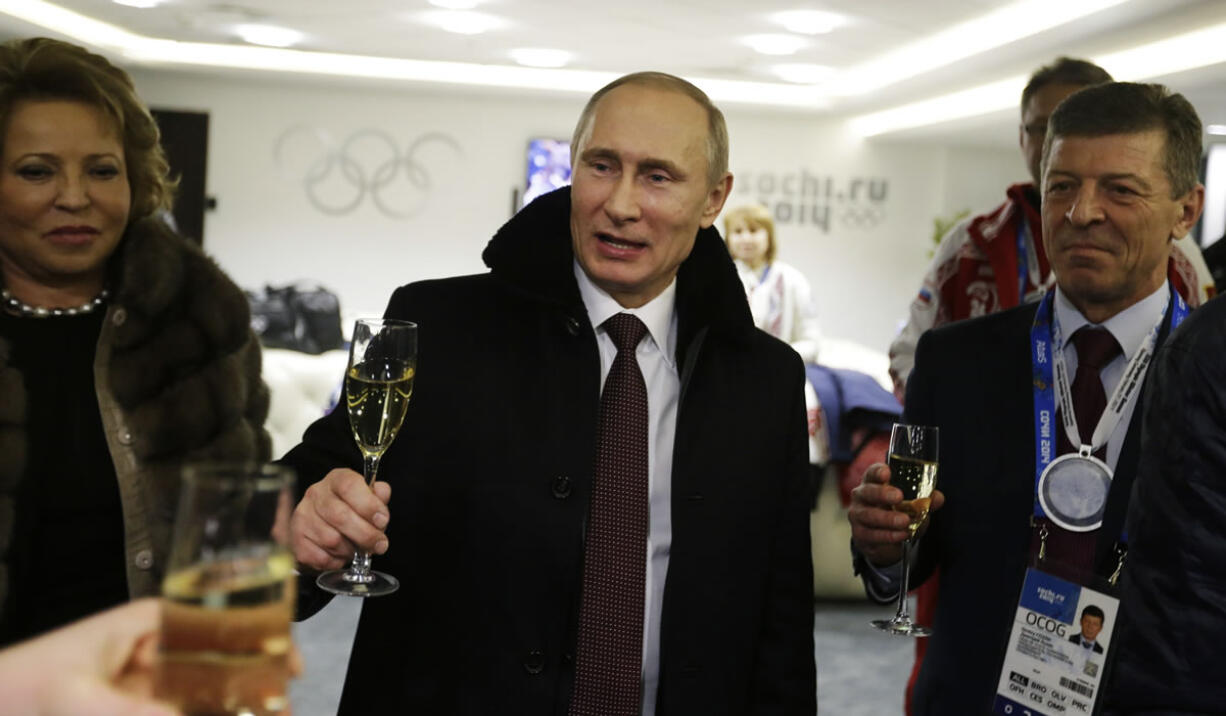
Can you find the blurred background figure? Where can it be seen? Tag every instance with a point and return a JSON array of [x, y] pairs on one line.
[[782, 305], [779, 295], [124, 351]]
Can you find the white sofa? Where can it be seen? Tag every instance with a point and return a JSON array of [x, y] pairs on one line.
[[303, 387], [828, 527]]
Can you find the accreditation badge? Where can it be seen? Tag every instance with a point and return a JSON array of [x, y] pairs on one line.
[[1073, 491], [1057, 648]]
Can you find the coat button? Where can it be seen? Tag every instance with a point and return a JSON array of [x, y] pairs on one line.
[[119, 316], [535, 663], [561, 487], [143, 559], [573, 326], [125, 437]]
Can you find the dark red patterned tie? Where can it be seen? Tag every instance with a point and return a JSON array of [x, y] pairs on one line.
[[609, 662], [1096, 347]]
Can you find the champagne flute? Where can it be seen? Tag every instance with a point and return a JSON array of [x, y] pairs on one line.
[[228, 596], [378, 386], [913, 469]]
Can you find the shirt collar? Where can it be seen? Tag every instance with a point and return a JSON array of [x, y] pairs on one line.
[[1130, 326], [657, 314]]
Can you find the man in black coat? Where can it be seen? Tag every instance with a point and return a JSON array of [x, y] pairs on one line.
[[494, 467], [1173, 612], [1119, 183]]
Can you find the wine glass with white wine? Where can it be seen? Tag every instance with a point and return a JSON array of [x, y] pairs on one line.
[[378, 386], [913, 469]]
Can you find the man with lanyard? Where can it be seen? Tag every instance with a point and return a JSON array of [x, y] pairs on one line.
[[1026, 530], [995, 261]]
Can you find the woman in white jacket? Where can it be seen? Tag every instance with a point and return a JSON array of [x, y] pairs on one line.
[[780, 301], [778, 294]]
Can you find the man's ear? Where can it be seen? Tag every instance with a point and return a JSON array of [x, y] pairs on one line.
[[716, 197], [1191, 205]]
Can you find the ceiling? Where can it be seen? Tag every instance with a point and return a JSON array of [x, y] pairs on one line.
[[701, 40]]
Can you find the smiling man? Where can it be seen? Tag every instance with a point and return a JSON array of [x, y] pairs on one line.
[[1119, 185], [571, 534]]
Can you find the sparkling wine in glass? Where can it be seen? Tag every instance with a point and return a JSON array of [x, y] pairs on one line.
[[913, 469], [228, 596], [378, 386]]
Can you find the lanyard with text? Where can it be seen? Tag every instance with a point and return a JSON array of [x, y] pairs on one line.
[[1071, 490], [1063, 630]]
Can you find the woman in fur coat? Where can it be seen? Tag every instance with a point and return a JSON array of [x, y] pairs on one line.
[[124, 351]]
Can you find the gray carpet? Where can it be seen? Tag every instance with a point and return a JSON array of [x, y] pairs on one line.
[[860, 672]]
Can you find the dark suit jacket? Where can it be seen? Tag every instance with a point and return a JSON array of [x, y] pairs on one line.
[[1172, 620], [491, 476], [972, 379], [1076, 639]]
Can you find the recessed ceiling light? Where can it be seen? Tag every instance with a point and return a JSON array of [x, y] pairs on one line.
[[138, 3], [979, 35], [774, 44], [463, 22], [809, 22], [455, 4], [1216, 129], [801, 73], [1177, 53], [540, 57], [144, 49], [269, 35]]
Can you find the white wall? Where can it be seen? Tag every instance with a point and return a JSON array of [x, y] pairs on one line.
[[864, 255]]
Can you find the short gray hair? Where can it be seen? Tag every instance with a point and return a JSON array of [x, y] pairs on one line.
[[717, 129], [1129, 108]]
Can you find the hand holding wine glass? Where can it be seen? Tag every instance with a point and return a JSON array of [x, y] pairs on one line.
[[378, 387], [228, 596], [878, 528], [913, 458]]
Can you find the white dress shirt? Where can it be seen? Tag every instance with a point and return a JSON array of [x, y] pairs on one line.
[[656, 358], [1130, 328]]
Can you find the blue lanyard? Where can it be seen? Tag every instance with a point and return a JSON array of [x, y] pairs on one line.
[[1042, 355]]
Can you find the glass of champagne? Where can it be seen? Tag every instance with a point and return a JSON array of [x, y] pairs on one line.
[[913, 469], [228, 595], [378, 386]]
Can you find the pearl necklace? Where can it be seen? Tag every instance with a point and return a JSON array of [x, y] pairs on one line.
[[16, 306]]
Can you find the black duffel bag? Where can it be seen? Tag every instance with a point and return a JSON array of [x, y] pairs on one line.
[[296, 317]]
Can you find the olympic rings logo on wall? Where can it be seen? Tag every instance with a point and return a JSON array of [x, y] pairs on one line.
[[862, 217], [338, 177]]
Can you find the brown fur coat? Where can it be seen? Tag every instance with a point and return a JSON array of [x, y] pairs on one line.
[[177, 370]]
